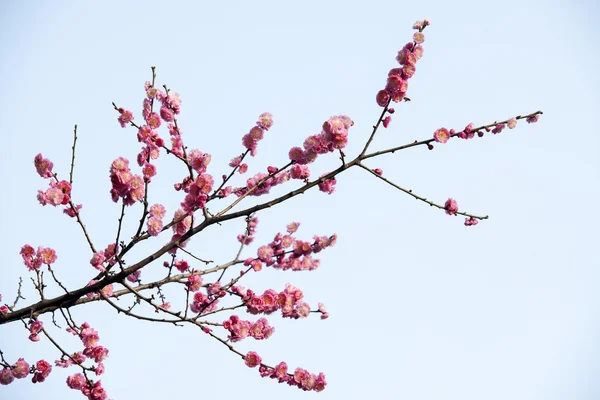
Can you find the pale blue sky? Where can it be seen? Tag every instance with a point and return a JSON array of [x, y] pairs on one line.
[[421, 307]]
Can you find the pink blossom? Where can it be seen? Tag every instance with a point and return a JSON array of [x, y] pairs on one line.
[[154, 226], [4, 309], [328, 186], [265, 253], [383, 98], [97, 353], [53, 196], [441, 135], [30, 258], [166, 114], [511, 123], [470, 221], [43, 166], [323, 311], [72, 212], [533, 119], [199, 161], [125, 117], [99, 370], [303, 309], [194, 283], [34, 337], [386, 121], [292, 227], [184, 225], [76, 381], [153, 120], [43, 369], [149, 170], [299, 171], [265, 121], [6, 376], [46, 255], [157, 210], [97, 260], [235, 161], [20, 369], [498, 128], [134, 276], [89, 337], [418, 37], [35, 328], [256, 265], [320, 383], [378, 171], [243, 168], [79, 357], [107, 290], [252, 359], [181, 265], [95, 391], [63, 363], [451, 206]]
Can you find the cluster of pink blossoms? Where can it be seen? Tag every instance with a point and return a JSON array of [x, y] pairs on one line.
[[442, 135], [92, 351], [107, 290], [287, 252], [334, 136], [35, 327], [328, 185], [197, 192], [181, 227], [21, 369], [104, 256], [397, 82], [34, 259], [451, 207], [250, 140], [262, 183], [240, 329], [289, 301], [154, 223], [301, 378], [201, 303], [59, 192], [126, 185], [248, 237]]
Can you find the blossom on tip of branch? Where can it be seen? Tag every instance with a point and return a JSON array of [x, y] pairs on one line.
[[125, 117]]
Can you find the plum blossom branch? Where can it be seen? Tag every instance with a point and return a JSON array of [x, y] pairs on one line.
[[428, 141], [423, 199]]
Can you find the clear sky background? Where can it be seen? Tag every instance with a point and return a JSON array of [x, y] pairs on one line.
[[421, 306]]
